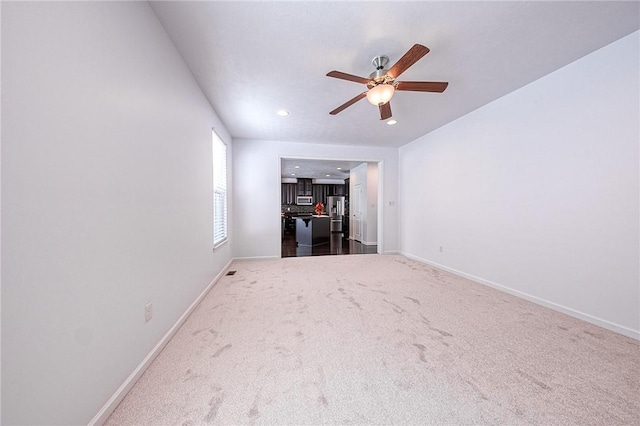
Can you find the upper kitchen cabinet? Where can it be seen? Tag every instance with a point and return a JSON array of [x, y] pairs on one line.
[[305, 186], [321, 192], [289, 193]]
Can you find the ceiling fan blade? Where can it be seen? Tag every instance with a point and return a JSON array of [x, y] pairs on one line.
[[348, 103], [385, 111], [411, 57], [422, 86], [350, 77]]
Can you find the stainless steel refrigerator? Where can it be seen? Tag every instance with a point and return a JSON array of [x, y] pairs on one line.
[[335, 207]]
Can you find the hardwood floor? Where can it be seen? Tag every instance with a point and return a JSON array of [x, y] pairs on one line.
[[337, 245]]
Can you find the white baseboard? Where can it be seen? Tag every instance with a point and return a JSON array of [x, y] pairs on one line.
[[256, 258], [128, 384], [366, 243], [626, 331]]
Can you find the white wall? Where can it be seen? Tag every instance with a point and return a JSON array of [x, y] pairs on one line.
[[106, 201], [538, 191], [256, 166]]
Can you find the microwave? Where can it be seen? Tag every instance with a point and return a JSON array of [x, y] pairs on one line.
[[304, 201]]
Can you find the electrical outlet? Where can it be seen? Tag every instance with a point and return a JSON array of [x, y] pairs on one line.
[[148, 312], [441, 250]]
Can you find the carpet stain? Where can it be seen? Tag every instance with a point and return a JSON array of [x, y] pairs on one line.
[[416, 301], [477, 389], [214, 405], [440, 340], [299, 334], [253, 412], [421, 353], [533, 379], [425, 320], [188, 375], [282, 350], [356, 304], [221, 351], [441, 332], [210, 330], [397, 308], [323, 401], [596, 335]]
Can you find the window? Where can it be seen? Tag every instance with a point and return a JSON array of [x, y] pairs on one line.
[[219, 150]]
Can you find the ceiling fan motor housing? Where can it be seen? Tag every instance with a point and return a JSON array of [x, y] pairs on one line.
[[379, 76], [380, 62]]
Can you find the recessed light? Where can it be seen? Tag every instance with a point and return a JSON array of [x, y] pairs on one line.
[[391, 122], [296, 167], [328, 175], [282, 112], [293, 174], [339, 168]]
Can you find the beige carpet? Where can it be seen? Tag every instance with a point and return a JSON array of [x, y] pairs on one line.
[[371, 339]]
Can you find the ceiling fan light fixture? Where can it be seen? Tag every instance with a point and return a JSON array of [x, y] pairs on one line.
[[380, 94]]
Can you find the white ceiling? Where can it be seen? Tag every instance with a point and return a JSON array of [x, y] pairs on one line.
[[253, 58], [318, 169]]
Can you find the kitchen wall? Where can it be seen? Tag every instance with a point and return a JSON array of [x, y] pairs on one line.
[[256, 174], [537, 193], [106, 201]]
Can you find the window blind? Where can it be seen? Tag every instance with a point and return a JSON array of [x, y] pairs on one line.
[[219, 150]]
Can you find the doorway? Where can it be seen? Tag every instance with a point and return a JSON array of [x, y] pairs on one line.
[[322, 181]]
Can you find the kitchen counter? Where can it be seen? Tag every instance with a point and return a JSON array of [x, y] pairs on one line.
[[313, 230]]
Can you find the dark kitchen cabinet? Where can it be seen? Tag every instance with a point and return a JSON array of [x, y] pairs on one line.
[[320, 194], [289, 192], [322, 191], [305, 186]]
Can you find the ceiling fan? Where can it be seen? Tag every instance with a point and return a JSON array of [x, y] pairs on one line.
[[382, 82]]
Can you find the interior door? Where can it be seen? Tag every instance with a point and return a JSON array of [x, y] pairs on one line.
[[356, 204]]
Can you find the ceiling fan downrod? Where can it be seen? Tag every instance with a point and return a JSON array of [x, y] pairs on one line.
[[380, 63]]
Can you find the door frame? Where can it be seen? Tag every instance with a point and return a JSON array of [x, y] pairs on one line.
[[381, 199], [357, 227]]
